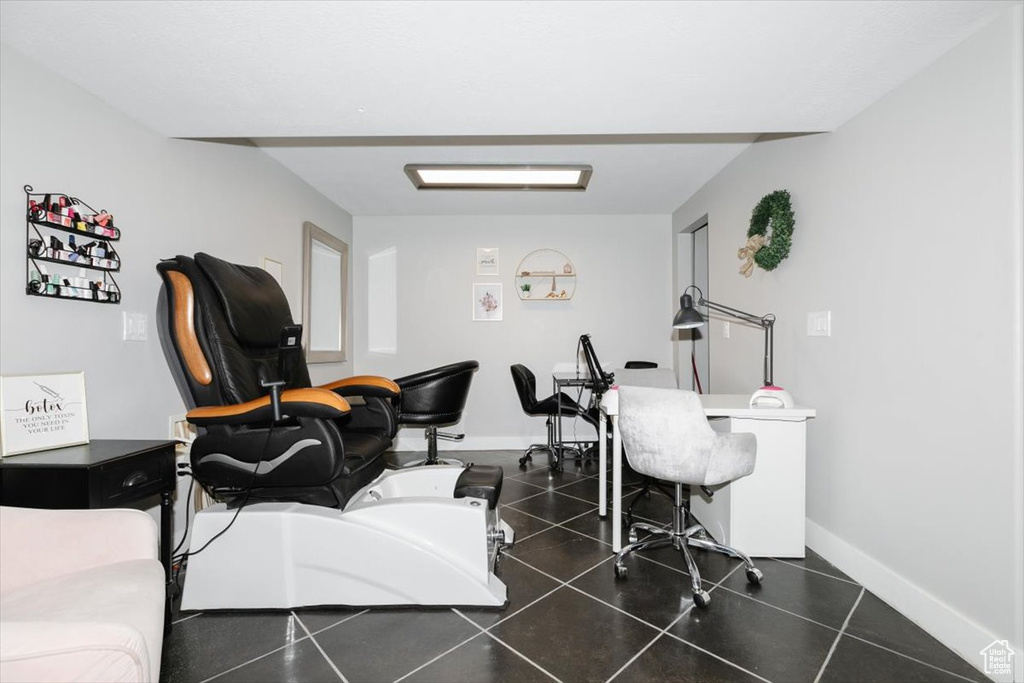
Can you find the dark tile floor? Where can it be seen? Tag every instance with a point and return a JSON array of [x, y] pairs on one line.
[[569, 619]]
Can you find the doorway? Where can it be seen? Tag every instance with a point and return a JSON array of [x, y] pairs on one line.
[[693, 354]]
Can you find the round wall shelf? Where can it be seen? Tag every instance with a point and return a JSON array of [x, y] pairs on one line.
[[545, 275]]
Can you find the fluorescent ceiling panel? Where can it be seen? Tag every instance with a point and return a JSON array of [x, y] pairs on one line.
[[498, 177]]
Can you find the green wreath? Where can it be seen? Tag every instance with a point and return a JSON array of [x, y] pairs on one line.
[[775, 209]]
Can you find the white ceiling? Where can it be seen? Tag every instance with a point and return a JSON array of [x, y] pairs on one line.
[[656, 96]]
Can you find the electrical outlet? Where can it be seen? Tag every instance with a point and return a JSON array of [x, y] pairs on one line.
[[819, 324], [135, 326]]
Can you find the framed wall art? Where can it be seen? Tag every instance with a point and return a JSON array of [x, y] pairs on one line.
[[487, 261], [487, 303], [40, 412]]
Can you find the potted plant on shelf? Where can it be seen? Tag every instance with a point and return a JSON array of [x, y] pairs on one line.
[[526, 289]]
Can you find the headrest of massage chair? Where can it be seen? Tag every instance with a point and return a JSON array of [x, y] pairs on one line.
[[253, 302]]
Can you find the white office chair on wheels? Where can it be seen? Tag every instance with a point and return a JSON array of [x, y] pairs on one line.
[[665, 435]]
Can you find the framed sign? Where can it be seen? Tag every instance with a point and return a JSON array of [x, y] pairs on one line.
[[487, 261], [40, 412]]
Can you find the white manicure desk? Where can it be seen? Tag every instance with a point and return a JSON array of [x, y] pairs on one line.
[[762, 514]]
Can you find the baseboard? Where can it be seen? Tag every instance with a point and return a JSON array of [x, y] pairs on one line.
[[945, 624]]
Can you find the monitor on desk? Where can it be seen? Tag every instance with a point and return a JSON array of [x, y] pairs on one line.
[[602, 380]]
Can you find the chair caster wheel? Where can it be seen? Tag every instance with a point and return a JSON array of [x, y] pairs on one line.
[[701, 599], [621, 571], [754, 576]]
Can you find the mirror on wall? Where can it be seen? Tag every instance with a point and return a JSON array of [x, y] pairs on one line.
[[324, 295]]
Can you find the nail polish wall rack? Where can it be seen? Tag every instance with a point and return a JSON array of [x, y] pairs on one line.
[[107, 233], [49, 215]]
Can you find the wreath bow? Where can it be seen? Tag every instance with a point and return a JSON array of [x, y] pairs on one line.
[[747, 252]]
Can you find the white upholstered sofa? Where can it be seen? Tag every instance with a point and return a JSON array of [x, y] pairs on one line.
[[81, 596]]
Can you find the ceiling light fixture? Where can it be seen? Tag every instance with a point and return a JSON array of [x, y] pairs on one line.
[[499, 176]]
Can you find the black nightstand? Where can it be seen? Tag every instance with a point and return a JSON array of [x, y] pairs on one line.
[[100, 474]]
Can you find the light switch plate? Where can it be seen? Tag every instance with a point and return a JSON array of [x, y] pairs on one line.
[[819, 324], [135, 326], [725, 330]]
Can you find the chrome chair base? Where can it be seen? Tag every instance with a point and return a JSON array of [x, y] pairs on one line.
[[432, 435], [439, 461], [682, 537], [556, 453]]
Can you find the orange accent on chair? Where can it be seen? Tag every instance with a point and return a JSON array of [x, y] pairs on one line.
[[321, 396], [185, 329], [364, 380]]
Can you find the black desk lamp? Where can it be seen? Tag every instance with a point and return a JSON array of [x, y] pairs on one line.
[[689, 317]]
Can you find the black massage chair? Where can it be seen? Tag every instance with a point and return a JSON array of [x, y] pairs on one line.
[[222, 331]]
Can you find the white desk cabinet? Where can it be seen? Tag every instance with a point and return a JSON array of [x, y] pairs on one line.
[[762, 514]]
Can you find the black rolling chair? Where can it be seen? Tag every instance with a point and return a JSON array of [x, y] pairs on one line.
[[435, 398], [526, 388]]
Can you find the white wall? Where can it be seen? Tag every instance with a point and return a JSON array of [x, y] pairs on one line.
[[623, 298], [168, 197], [908, 228]]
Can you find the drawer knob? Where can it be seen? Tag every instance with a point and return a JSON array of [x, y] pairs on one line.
[[135, 479]]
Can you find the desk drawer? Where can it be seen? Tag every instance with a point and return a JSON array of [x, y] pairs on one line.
[[130, 479]]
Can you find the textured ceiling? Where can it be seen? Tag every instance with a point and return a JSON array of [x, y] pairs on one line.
[[343, 75]]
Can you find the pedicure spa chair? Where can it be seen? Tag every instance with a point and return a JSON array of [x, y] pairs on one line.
[[307, 513]]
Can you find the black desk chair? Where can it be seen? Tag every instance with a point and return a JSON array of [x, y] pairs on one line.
[[526, 388], [435, 398]]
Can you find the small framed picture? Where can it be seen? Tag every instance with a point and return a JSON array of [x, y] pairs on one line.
[[487, 304], [40, 412], [487, 261]]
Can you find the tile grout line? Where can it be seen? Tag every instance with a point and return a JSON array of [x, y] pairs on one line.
[[278, 649], [635, 657], [567, 584], [781, 609], [835, 643], [191, 616], [453, 648], [507, 646], [520, 654], [660, 632], [714, 586], [913, 659], [561, 584], [814, 571], [330, 661], [701, 649], [848, 635], [254, 659], [562, 524], [337, 623]]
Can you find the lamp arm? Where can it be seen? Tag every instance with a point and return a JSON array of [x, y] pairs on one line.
[[760, 321], [766, 322]]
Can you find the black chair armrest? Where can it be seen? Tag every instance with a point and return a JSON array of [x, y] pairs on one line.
[[364, 385]]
